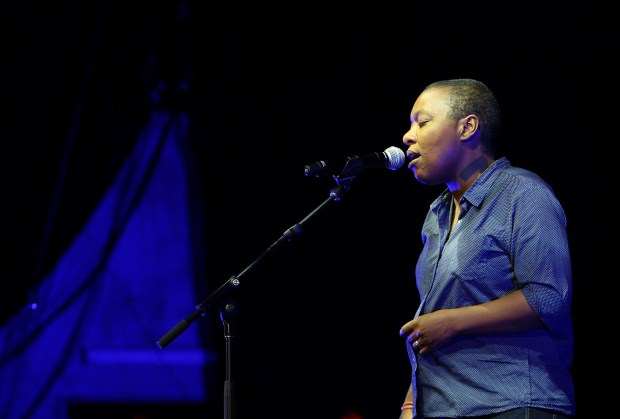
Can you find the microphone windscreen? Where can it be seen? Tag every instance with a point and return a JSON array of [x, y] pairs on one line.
[[395, 157]]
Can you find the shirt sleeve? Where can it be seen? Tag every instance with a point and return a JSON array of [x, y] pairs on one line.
[[542, 263]]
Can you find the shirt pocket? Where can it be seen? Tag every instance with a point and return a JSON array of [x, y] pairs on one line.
[[480, 258]]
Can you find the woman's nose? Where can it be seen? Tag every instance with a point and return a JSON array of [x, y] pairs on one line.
[[408, 138]]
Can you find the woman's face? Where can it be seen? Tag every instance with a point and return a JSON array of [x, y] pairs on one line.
[[433, 140]]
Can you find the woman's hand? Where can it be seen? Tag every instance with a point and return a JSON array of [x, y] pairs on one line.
[[430, 331]]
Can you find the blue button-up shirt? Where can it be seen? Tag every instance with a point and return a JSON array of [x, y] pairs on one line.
[[511, 235]]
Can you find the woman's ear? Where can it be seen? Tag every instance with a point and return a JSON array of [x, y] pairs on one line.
[[469, 126]]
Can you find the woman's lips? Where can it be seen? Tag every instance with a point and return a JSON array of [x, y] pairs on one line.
[[414, 158]]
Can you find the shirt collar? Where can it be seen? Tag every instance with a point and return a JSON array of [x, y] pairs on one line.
[[478, 190]]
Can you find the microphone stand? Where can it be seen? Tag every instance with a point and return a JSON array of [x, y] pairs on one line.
[[219, 300]]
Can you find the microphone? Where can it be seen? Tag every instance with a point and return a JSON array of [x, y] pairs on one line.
[[392, 158]]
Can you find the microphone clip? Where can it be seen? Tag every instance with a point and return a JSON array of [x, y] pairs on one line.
[[353, 167]]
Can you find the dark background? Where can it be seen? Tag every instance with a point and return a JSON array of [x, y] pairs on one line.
[[317, 331]]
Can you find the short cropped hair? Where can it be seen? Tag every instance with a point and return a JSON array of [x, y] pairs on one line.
[[469, 96]]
